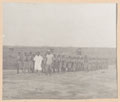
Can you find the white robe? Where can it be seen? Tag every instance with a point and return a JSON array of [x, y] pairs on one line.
[[38, 62]]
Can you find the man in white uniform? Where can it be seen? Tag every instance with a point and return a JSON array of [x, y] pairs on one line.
[[38, 62]]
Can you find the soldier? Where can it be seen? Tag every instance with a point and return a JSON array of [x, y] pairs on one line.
[[19, 62], [63, 63], [49, 62], [25, 62], [77, 64], [60, 63], [96, 63], [81, 63], [57, 63], [54, 65], [44, 64], [106, 63], [30, 62], [91, 62], [74, 64], [89, 65], [99, 64], [69, 63], [86, 63], [102, 63]]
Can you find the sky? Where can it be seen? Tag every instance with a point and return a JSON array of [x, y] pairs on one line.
[[59, 24]]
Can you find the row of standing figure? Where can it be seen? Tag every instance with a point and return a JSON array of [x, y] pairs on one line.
[[52, 63], [66, 63]]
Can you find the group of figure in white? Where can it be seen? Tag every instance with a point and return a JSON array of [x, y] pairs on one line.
[[28, 62], [38, 62]]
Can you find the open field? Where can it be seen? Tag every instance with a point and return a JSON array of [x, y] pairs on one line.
[[69, 85]]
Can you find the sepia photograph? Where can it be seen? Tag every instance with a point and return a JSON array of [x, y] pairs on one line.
[[59, 51]]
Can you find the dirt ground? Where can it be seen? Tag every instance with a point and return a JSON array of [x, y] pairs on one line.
[[68, 85]]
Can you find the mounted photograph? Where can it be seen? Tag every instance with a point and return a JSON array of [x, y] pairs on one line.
[[59, 51]]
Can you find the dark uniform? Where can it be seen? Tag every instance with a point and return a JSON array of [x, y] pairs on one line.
[[81, 63], [25, 63], [63, 60], [54, 65], [93, 64], [106, 63], [86, 63], [30, 63], [90, 64], [44, 65], [74, 62], [19, 62], [96, 64], [69, 63], [57, 63], [60, 63], [77, 64]]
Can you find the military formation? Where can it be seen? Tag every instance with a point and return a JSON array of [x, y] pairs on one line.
[[56, 63]]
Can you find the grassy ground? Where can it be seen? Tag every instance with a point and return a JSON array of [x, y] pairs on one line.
[[69, 85]]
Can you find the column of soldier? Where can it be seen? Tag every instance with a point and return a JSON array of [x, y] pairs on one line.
[[55, 63]]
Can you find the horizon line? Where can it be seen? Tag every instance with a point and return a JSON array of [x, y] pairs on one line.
[[56, 46]]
